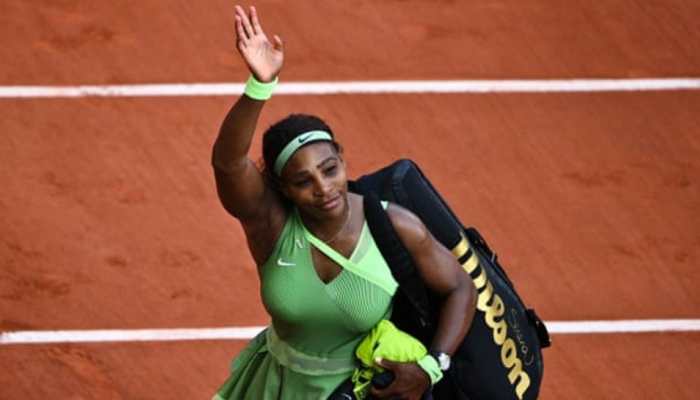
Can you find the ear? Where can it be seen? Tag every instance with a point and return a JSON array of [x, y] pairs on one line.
[[282, 187], [279, 185]]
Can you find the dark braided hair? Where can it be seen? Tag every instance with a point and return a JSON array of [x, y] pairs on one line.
[[277, 136], [282, 132]]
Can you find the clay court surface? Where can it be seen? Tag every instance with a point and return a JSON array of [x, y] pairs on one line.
[[109, 217]]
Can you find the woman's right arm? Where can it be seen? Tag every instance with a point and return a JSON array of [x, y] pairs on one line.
[[241, 187], [239, 183]]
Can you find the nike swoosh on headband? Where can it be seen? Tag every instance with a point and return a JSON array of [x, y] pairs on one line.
[[304, 138], [295, 144]]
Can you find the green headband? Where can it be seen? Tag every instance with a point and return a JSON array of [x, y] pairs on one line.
[[295, 144]]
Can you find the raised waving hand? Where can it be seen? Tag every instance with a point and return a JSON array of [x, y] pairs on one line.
[[264, 58]]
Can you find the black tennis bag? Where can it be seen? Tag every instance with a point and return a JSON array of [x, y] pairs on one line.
[[500, 358]]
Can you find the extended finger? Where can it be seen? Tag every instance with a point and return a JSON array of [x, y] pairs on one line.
[[240, 34], [245, 21], [240, 16], [256, 22]]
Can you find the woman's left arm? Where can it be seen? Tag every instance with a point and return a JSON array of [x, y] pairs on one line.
[[444, 276]]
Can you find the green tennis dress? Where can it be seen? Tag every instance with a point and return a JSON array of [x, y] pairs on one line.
[[308, 349]]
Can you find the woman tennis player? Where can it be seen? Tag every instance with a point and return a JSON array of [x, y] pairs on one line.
[[323, 280]]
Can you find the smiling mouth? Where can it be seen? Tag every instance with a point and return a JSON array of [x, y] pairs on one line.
[[330, 204]]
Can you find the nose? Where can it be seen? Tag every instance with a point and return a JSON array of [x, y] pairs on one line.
[[321, 187]]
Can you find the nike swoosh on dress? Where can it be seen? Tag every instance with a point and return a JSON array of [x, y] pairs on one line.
[[283, 263]]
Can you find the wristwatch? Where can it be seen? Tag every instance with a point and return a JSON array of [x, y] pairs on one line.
[[443, 359]]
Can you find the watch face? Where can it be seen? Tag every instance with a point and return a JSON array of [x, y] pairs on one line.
[[444, 361]]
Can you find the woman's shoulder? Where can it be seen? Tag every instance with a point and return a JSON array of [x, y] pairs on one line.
[[408, 226]]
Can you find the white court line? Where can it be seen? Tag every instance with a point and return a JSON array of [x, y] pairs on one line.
[[131, 335], [356, 87], [624, 326], [240, 333]]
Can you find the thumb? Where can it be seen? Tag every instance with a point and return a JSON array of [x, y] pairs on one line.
[[384, 363], [278, 45]]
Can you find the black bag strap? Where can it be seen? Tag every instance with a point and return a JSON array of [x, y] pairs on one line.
[[397, 256]]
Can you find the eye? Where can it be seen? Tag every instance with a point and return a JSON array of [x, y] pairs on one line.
[[330, 171], [302, 182]]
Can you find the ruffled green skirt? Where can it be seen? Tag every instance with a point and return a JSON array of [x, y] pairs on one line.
[[256, 374]]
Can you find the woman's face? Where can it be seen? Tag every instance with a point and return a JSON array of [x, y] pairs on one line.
[[314, 180]]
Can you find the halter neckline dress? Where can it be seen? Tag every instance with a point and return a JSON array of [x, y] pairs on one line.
[[308, 349]]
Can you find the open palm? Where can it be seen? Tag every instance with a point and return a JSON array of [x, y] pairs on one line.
[[264, 58]]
